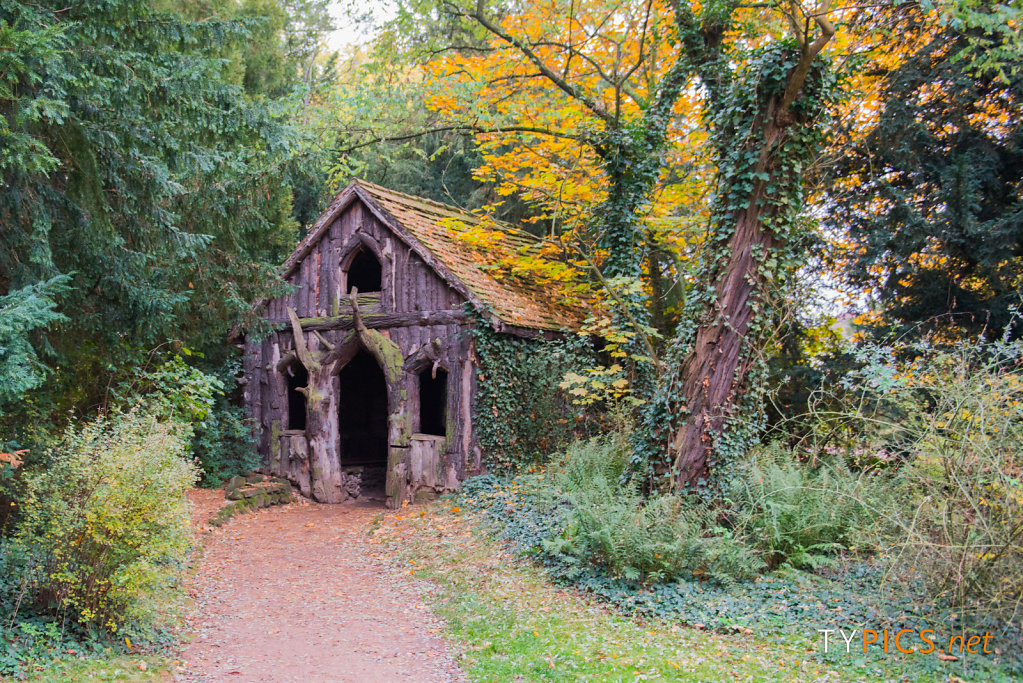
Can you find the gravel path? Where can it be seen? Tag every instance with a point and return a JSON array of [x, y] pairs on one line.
[[297, 593]]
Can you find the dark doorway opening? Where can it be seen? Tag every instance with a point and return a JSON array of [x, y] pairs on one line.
[[362, 413], [433, 402], [298, 378], [364, 272]]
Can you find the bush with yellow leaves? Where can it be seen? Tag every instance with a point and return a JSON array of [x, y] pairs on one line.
[[105, 526]]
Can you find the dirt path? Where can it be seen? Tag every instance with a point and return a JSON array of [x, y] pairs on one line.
[[297, 593]]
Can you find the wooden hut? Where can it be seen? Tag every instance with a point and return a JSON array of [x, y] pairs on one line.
[[370, 372]]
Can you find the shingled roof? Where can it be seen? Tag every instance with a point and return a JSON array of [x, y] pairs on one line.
[[431, 230]]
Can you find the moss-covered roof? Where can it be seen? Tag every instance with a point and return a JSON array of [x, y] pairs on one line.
[[443, 235]]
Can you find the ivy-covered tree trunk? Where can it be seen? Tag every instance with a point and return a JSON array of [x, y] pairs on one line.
[[766, 130], [764, 105], [632, 157], [632, 162]]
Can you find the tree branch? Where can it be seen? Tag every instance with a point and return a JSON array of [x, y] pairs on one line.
[[323, 340], [287, 360], [338, 350], [360, 326], [467, 129], [809, 53], [304, 355], [548, 73], [385, 351]]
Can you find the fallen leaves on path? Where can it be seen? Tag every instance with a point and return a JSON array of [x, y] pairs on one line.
[[293, 593]]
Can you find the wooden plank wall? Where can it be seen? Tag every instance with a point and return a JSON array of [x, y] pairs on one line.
[[408, 284]]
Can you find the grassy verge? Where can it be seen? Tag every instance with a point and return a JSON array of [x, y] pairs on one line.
[[110, 667], [509, 620]]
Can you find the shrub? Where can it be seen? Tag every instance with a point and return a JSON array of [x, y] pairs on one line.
[[223, 444], [105, 525], [222, 440], [776, 510], [172, 390], [801, 513], [951, 422]]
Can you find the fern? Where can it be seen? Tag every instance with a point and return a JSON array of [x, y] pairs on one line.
[[608, 523], [798, 514]]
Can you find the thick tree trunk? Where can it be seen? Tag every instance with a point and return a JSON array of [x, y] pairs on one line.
[[754, 224], [715, 370], [324, 438]]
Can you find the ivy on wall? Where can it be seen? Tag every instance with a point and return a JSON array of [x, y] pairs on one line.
[[520, 413]]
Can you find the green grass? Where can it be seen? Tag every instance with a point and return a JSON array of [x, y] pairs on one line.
[[506, 619], [106, 667]]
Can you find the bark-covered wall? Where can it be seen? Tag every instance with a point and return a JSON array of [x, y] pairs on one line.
[[420, 313]]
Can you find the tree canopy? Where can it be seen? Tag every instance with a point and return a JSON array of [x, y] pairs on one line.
[[149, 158], [928, 198]]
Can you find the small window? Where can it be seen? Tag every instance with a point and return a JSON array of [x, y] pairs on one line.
[[364, 272], [298, 378], [433, 402]]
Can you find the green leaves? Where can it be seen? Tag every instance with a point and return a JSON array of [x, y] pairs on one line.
[[520, 413], [135, 163], [22, 313], [105, 525]]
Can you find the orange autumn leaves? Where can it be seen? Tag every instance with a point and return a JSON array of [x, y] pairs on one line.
[[612, 54], [537, 139], [609, 56], [13, 459]]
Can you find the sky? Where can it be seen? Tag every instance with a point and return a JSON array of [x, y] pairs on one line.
[[352, 32]]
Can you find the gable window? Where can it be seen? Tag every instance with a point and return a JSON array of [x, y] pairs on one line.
[[364, 272], [433, 402], [298, 378]]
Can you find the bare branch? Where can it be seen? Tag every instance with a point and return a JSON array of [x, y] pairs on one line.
[[304, 355], [339, 350], [360, 326], [468, 130]]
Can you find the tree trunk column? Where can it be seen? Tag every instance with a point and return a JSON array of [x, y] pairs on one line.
[[324, 438], [717, 365], [726, 344]]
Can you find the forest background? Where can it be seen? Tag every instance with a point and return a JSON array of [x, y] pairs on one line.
[[799, 228]]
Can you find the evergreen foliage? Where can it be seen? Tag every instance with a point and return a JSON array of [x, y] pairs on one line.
[[137, 167], [931, 195], [23, 312]]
